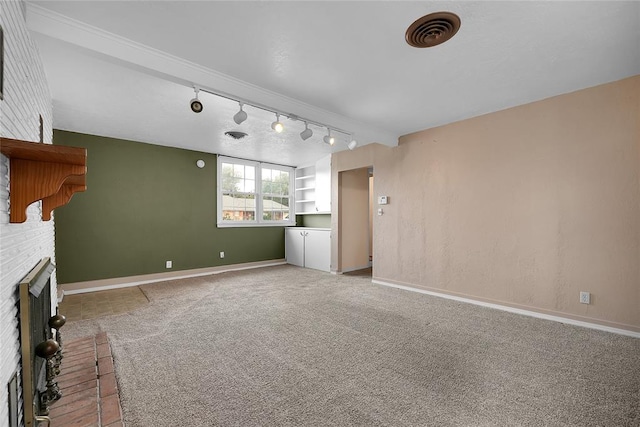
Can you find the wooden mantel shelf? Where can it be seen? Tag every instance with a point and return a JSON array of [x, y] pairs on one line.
[[50, 173]]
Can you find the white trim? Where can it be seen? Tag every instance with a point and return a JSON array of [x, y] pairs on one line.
[[514, 310], [126, 282]]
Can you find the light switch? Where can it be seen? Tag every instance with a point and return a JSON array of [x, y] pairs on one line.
[[383, 200]]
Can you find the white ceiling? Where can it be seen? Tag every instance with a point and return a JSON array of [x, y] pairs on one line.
[[125, 69]]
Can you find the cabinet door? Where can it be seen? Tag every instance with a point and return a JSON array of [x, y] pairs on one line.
[[294, 246], [317, 249]]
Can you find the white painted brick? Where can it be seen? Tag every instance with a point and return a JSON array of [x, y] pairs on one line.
[[22, 246]]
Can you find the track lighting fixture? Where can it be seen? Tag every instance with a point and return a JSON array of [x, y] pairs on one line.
[[240, 116], [306, 133], [277, 125], [196, 105], [328, 139]]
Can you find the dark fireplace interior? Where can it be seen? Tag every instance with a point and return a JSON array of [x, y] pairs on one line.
[[38, 347]]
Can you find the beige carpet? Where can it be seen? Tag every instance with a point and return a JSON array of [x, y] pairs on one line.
[[298, 347]]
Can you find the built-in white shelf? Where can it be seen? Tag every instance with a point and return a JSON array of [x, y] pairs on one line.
[[300, 178], [313, 187]]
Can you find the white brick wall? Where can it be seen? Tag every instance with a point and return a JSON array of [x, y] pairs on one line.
[[22, 246]]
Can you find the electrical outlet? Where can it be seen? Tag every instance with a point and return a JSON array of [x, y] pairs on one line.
[[221, 254], [585, 298], [169, 264]]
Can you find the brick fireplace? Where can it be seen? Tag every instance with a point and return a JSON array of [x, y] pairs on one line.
[[26, 98]]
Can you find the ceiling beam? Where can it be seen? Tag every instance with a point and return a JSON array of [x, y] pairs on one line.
[[128, 53]]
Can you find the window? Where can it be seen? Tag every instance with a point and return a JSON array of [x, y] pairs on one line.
[[253, 193]]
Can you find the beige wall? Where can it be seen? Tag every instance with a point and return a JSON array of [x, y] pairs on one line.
[[363, 157], [525, 207]]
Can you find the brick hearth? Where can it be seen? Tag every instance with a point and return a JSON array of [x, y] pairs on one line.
[[88, 384]]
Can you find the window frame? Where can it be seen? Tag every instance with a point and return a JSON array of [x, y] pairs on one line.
[[258, 194]]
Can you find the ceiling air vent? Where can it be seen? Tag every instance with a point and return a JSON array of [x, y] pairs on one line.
[[433, 29], [235, 134]]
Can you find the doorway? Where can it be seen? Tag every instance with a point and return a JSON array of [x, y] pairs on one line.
[[355, 192]]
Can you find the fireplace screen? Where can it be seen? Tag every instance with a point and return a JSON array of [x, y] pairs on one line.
[[35, 312]]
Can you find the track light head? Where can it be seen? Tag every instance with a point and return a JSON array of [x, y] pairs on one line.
[[196, 105], [328, 139], [277, 125], [306, 133], [352, 144], [240, 116]]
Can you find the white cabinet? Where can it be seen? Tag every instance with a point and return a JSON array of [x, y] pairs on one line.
[[313, 187], [308, 247], [317, 249], [294, 246]]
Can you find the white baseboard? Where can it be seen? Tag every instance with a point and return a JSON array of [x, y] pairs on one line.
[[125, 282], [555, 318]]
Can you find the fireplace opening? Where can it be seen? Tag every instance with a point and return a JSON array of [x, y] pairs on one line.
[[41, 353]]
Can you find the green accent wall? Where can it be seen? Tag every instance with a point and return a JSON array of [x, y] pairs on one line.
[[314, 220], [144, 205]]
